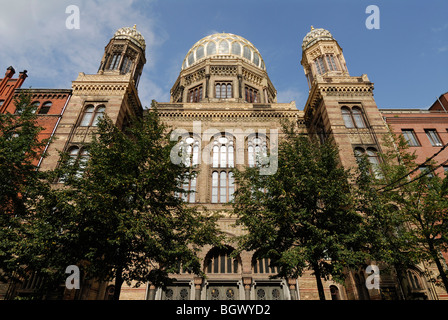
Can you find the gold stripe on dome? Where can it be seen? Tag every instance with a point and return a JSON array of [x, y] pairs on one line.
[[228, 51]]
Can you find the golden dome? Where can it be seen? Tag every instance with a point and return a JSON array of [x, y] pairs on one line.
[[315, 35], [131, 34], [223, 45]]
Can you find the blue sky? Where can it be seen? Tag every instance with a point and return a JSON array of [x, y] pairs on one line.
[[407, 58]]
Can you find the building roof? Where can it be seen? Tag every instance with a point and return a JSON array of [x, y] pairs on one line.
[[131, 34], [223, 45], [315, 35]]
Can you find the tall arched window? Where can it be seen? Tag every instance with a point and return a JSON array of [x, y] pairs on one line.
[[87, 116], [353, 118], [91, 115], [190, 148], [99, 113], [374, 160], [114, 63], [223, 90], [220, 261], [358, 117], [77, 157], [223, 186], [256, 150], [127, 65], [223, 157], [347, 116], [223, 152], [45, 107]]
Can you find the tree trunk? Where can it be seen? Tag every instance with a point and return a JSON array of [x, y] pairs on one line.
[[320, 287], [118, 283], [436, 258], [400, 278]]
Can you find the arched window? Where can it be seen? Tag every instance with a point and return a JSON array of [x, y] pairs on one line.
[[223, 157], [331, 62], [353, 118], [358, 117], [347, 116], [220, 261], [87, 116], [223, 90], [335, 293], [99, 113], [195, 94], [127, 65], [320, 66], [223, 186], [251, 94], [45, 107], [263, 265], [374, 160], [199, 52], [211, 48], [189, 149], [224, 47], [247, 53], [223, 152], [114, 63], [78, 157], [414, 280], [91, 115], [256, 150], [236, 48]]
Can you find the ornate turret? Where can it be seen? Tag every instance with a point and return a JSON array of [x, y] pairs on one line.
[[125, 53], [322, 55]]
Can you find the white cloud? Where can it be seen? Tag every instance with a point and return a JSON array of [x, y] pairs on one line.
[[290, 94], [35, 37]]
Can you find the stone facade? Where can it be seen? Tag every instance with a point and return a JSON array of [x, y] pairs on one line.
[[226, 109]]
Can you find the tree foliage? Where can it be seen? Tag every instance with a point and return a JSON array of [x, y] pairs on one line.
[[20, 151], [405, 209], [302, 217], [118, 215]]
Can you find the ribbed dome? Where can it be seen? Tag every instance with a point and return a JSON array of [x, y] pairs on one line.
[[315, 35], [223, 44], [131, 34]]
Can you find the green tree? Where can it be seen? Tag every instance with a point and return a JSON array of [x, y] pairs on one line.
[[20, 151], [405, 209], [302, 217], [119, 215], [384, 226]]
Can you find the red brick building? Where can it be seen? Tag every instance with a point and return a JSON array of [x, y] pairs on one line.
[[425, 130], [50, 103], [8, 85]]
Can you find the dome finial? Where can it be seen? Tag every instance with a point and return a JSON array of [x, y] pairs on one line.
[[312, 28], [135, 26]]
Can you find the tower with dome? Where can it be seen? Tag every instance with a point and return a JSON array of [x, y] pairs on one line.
[[225, 107]]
